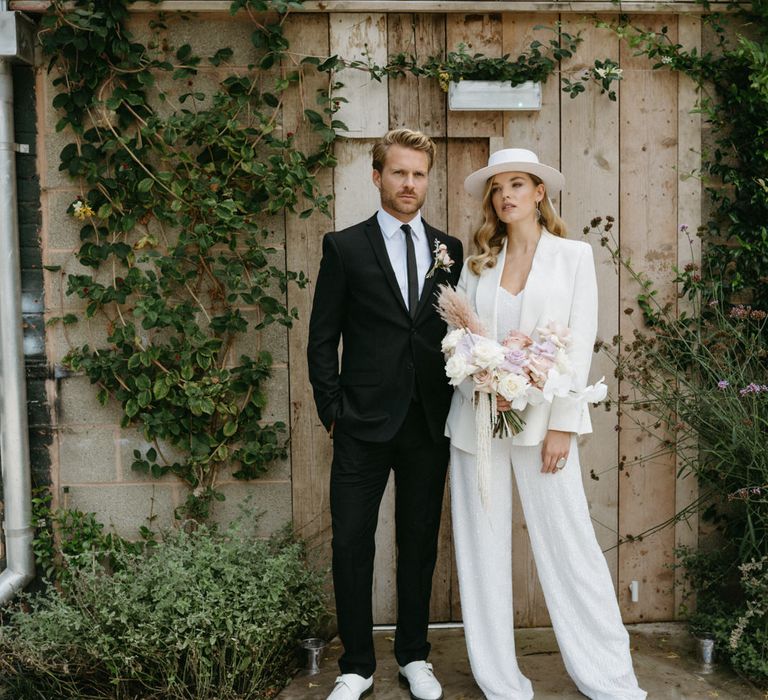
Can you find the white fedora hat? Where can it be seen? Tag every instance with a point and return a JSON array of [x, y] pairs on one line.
[[514, 160]]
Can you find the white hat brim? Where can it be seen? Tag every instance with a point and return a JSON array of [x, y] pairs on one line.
[[553, 179]]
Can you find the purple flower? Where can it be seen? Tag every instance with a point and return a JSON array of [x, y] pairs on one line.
[[723, 384], [739, 311], [514, 361], [546, 349], [753, 389]]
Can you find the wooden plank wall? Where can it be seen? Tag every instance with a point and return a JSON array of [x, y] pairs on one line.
[[627, 159]]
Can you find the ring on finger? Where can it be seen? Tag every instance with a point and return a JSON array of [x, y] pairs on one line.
[[560, 464]]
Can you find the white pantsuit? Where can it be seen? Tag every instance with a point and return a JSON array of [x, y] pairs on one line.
[[574, 576]]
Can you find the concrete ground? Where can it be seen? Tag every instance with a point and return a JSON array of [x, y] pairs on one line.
[[663, 655]]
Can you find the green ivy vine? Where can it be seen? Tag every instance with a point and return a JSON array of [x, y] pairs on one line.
[[178, 211], [732, 79], [179, 208], [536, 64]]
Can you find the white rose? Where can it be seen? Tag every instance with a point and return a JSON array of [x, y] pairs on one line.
[[457, 369], [451, 340], [511, 386], [486, 354]]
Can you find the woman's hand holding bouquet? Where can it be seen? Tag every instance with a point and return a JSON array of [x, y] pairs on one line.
[[519, 369]]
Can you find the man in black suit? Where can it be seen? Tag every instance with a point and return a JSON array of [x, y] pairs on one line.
[[386, 406]]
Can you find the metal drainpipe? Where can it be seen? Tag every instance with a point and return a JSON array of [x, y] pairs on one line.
[[14, 436]]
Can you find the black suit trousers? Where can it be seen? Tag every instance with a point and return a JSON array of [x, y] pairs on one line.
[[359, 475]]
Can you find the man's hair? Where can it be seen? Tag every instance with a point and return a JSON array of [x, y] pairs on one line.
[[406, 138]]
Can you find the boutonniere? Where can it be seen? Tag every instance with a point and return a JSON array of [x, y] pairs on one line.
[[442, 260]]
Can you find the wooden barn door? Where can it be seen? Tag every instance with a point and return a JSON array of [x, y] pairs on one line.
[[623, 159]]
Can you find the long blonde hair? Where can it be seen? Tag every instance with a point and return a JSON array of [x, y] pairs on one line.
[[489, 238]]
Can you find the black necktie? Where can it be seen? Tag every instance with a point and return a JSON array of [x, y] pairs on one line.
[[410, 260]]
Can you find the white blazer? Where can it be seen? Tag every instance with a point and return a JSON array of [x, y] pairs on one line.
[[561, 287]]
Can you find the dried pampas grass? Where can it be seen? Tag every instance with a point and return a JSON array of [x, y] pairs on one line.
[[455, 310]]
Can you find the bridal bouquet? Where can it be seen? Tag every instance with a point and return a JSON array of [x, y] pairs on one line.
[[520, 369]]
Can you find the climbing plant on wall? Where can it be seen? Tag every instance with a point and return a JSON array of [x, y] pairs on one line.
[[181, 198], [702, 373], [732, 78], [178, 212]]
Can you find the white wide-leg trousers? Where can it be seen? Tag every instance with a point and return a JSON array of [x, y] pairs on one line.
[[572, 569]]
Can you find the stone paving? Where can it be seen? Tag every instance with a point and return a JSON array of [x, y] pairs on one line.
[[663, 655]]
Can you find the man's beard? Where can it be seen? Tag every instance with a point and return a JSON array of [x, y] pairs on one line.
[[393, 203]]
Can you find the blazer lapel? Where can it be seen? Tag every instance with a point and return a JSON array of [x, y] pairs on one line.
[[429, 282], [534, 299], [376, 240], [487, 293]]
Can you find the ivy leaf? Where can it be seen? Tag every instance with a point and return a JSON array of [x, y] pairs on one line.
[[160, 389], [146, 184], [184, 52]]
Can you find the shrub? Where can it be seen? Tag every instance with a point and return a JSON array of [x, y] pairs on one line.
[[200, 615], [695, 380]]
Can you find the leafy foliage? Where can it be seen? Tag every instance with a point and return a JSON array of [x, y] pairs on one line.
[[536, 64], [695, 382], [179, 210], [67, 540], [733, 83], [698, 380], [698, 375], [199, 615]]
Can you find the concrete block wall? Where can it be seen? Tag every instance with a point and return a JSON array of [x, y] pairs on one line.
[[90, 453]]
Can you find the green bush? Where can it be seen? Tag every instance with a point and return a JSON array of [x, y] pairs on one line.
[[693, 380], [732, 607], [200, 615]]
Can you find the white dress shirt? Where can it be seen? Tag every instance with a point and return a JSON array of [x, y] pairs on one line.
[[394, 239]]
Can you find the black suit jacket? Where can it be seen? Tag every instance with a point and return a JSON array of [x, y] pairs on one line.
[[357, 300]]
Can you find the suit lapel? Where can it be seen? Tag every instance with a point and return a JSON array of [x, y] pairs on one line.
[[534, 299], [487, 292], [376, 239], [429, 282]]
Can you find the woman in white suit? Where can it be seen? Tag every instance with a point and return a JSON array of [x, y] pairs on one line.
[[526, 274]]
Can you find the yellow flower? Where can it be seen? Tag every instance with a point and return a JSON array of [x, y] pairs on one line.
[[81, 210]]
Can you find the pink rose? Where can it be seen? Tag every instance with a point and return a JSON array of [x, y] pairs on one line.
[[556, 333], [485, 381], [516, 340], [538, 369]]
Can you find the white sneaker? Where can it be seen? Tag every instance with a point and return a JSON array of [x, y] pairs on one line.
[[417, 676], [351, 686]]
